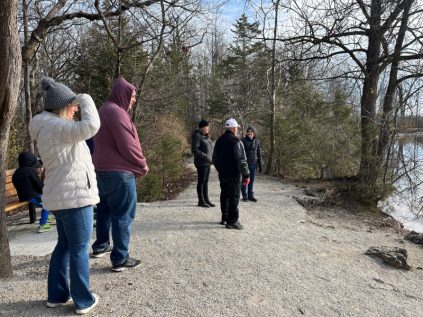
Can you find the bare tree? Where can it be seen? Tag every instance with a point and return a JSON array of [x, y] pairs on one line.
[[26, 78], [59, 13], [368, 38], [271, 90]]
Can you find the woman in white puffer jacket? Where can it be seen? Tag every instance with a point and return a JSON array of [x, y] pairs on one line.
[[70, 190]]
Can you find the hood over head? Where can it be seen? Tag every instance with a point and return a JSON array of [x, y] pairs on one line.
[[121, 93], [27, 159]]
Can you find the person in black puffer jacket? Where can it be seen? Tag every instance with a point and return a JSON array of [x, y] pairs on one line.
[[202, 150], [253, 152], [29, 186]]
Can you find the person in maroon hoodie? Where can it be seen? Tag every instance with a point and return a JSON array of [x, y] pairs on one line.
[[118, 160]]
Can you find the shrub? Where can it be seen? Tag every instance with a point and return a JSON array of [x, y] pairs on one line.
[[164, 148]]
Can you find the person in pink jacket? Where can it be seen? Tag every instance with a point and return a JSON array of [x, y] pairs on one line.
[[118, 161]]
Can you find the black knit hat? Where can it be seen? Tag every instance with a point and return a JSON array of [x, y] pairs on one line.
[[203, 123]]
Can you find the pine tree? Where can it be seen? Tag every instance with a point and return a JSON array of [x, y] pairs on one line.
[[240, 70]]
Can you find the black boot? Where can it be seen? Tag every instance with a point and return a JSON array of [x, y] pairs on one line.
[[209, 203], [203, 204]]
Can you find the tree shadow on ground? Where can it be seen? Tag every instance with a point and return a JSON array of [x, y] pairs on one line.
[[178, 226], [32, 267], [35, 308]]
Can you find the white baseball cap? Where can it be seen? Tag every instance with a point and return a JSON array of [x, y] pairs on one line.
[[231, 123]]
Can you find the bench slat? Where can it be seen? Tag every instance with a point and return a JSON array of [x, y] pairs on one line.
[[14, 205], [9, 186], [10, 193], [10, 172]]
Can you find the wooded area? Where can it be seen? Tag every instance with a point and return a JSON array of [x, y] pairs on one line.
[[328, 84]]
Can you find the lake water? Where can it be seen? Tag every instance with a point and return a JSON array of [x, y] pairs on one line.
[[406, 204]]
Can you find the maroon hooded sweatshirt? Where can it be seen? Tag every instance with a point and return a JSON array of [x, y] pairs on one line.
[[117, 146]]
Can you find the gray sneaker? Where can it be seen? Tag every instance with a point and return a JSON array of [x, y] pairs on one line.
[[101, 253], [128, 264]]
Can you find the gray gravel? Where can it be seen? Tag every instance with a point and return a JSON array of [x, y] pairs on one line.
[[286, 262]]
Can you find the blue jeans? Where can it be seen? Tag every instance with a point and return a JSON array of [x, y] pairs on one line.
[[116, 210], [44, 213], [252, 169], [69, 272]]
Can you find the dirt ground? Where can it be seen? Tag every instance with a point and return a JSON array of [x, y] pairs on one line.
[[288, 261]]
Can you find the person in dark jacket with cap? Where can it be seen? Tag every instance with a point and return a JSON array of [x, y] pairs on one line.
[[253, 152], [202, 149], [29, 186], [231, 163]]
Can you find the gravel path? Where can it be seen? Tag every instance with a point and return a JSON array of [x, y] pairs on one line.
[[286, 262]]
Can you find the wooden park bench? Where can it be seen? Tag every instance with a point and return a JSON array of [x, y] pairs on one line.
[[12, 200]]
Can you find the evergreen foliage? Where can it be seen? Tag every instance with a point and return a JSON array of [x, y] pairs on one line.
[[243, 73], [165, 146], [98, 59], [316, 135]]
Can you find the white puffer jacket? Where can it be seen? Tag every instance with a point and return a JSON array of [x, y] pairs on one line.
[[70, 180]]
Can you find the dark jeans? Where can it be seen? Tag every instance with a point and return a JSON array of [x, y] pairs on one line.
[[116, 210], [250, 193], [203, 173], [229, 198]]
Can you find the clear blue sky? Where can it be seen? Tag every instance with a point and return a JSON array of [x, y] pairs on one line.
[[232, 10]]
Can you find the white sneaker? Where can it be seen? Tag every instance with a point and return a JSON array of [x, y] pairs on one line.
[[85, 310]]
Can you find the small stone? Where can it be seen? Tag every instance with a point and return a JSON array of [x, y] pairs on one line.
[[378, 280], [396, 257], [415, 237]]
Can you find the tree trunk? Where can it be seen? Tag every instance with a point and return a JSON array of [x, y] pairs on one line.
[[385, 129], [10, 72], [368, 165], [27, 85], [272, 98]]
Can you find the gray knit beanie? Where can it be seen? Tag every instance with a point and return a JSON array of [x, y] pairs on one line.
[[57, 95], [251, 128]]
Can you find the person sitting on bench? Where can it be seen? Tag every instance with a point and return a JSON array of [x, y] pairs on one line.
[[29, 185]]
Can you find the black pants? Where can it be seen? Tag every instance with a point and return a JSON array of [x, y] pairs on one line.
[[203, 183], [229, 198]]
